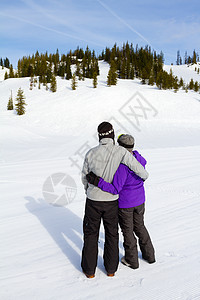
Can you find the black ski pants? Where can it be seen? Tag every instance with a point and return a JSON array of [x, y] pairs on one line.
[[95, 211], [131, 221]]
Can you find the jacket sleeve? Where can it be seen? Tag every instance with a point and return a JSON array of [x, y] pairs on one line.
[[85, 171], [130, 161], [118, 182], [140, 158]]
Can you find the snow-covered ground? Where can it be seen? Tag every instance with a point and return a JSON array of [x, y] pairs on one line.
[[41, 244], [185, 71]]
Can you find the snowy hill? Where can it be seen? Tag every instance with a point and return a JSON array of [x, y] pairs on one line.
[[41, 244], [185, 71]]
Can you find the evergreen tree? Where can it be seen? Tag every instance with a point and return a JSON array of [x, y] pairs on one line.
[[159, 80], [49, 74], [68, 68], [151, 78], [186, 58], [6, 75], [53, 87], [11, 72], [10, 103], [196, 86], [191, 84], [78, 70], [112, 74], [31, 83], [74, 82], [132, 73], [20, 105], [122, 74], [175, 84], [165, 80], [189, 60], [171, 79], [181, 83], [6, 63], [178, 58], [94, 79], [194, 58]]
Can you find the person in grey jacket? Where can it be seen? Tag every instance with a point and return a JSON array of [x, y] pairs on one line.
[[104, 161]]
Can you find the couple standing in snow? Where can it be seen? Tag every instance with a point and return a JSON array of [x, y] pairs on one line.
[[113, 178]]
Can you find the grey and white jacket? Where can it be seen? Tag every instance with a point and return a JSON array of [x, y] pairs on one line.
[[104, 161]]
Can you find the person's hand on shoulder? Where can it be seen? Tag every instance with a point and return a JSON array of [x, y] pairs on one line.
[[93, 178]]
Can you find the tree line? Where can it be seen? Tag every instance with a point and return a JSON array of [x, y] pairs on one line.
[[145, 64], [4, 63], [126, 62], [194, 59]]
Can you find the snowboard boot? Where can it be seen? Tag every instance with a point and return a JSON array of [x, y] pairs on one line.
[[89, 275], [110, 274], [149, 260], [124, 262]]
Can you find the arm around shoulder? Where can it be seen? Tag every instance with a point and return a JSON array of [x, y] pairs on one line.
[[130, 161]]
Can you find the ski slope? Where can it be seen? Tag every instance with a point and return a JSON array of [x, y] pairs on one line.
[[41, 244]]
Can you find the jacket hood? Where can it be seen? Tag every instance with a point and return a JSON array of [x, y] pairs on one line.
[[105, 141]]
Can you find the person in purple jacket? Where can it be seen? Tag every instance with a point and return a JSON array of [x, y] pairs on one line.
[[130, 189]]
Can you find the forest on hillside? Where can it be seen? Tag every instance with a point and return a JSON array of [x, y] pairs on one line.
[[126, 62]]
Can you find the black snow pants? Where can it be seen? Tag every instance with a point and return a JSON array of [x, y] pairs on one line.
[[131, 221], [94, 212]]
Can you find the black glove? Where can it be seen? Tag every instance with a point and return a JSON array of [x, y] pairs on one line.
[[93, 178]]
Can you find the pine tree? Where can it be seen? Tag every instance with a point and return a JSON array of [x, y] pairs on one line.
[[112, 74], [6, 75], [194, 58], [94, 79], [11, 72], [159, 80], [186, 58], [20, 105], [132, 73], [6, 63], [178, 58], [68, 69], [10, 103], [196, 86], [31, 83], [74, 82], [53, 87], [151, 78], [78, 70], [191, 84], [176, 84], [49, 74], [181, 82]]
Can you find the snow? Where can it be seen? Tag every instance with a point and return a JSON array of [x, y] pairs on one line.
[[2, 73], [41, 244], [185, 71]]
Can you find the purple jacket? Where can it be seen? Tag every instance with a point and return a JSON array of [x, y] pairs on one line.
[[127, 184]]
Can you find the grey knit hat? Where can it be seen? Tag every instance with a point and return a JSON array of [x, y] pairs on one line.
[[126, 141]]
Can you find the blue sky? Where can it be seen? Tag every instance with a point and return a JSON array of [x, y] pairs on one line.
[[30, 25]]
